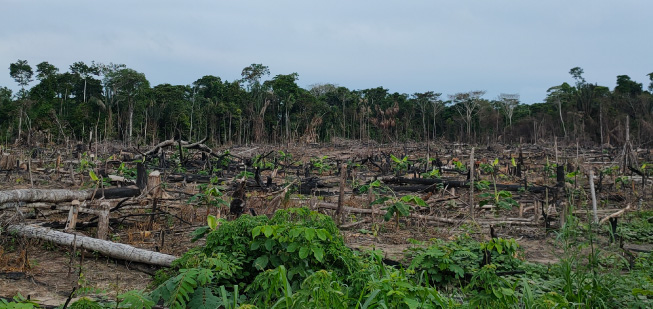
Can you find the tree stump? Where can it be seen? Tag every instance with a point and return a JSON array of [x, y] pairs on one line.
[[103, 222], [72, 216]]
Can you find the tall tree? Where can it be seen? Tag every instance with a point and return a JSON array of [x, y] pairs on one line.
[[559, 95], [45, 70], [424, 101], [129, 85], [627, 87], [85, 71], [257, 102], [286, 91], [508, 102], [467, 105], [22, 73], [109, 73]]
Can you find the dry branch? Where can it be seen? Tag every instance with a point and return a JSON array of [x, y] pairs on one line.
[[616, 214]]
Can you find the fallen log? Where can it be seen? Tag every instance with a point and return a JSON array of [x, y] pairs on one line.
[[107, 248], [427, 182], [64, 195], [516, 221]]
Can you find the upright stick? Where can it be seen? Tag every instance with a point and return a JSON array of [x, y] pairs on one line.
[[471, 184], [596, 217]]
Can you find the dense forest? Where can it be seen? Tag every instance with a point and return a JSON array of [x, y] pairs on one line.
[[113, 102]]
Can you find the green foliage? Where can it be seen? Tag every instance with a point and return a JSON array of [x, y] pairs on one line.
[[459, 166], [401, 207], [135, 299], [502, 199], [210, 194], [183, 289], [400, 165], [85, 303], [637, 227], [18, 302], [320, 165], [487, 290], [284, 157], [245, 174], [433, 174], [246, 249], [448, 262], [127, 172]]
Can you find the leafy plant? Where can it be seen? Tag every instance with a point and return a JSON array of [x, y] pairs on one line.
[[502, 199], [459, 166], [400, 207], [489, 290], [320, 165], [400, 166], [210, 195], [85, 303], [434, 173], [135, 299], [18, 302]]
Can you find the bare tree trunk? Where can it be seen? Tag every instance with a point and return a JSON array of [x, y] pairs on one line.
[[131, 118], [561, 120]]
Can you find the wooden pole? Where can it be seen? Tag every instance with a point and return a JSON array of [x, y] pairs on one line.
[[471, 184], [341, 197], [591, 176]]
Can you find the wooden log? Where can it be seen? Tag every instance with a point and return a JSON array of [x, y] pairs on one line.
[[426, 182], [107, 248], [514, 221], [64, 195]]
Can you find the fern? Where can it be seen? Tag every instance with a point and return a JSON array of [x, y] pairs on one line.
[[135, 300], [176, 291], [203, 298], [85, 303]]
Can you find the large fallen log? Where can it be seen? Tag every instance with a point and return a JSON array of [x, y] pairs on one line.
[[427, 182], [64, 195], [107, 248]]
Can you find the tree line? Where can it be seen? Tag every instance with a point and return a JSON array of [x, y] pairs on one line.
[[113, 102]]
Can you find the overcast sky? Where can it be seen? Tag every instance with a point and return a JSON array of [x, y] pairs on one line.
[[501, 46]]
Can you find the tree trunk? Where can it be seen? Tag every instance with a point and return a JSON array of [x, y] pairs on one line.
[[131, 119], [108, 248]]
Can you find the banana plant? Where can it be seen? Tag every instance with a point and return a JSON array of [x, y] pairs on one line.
[[502, 199]]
